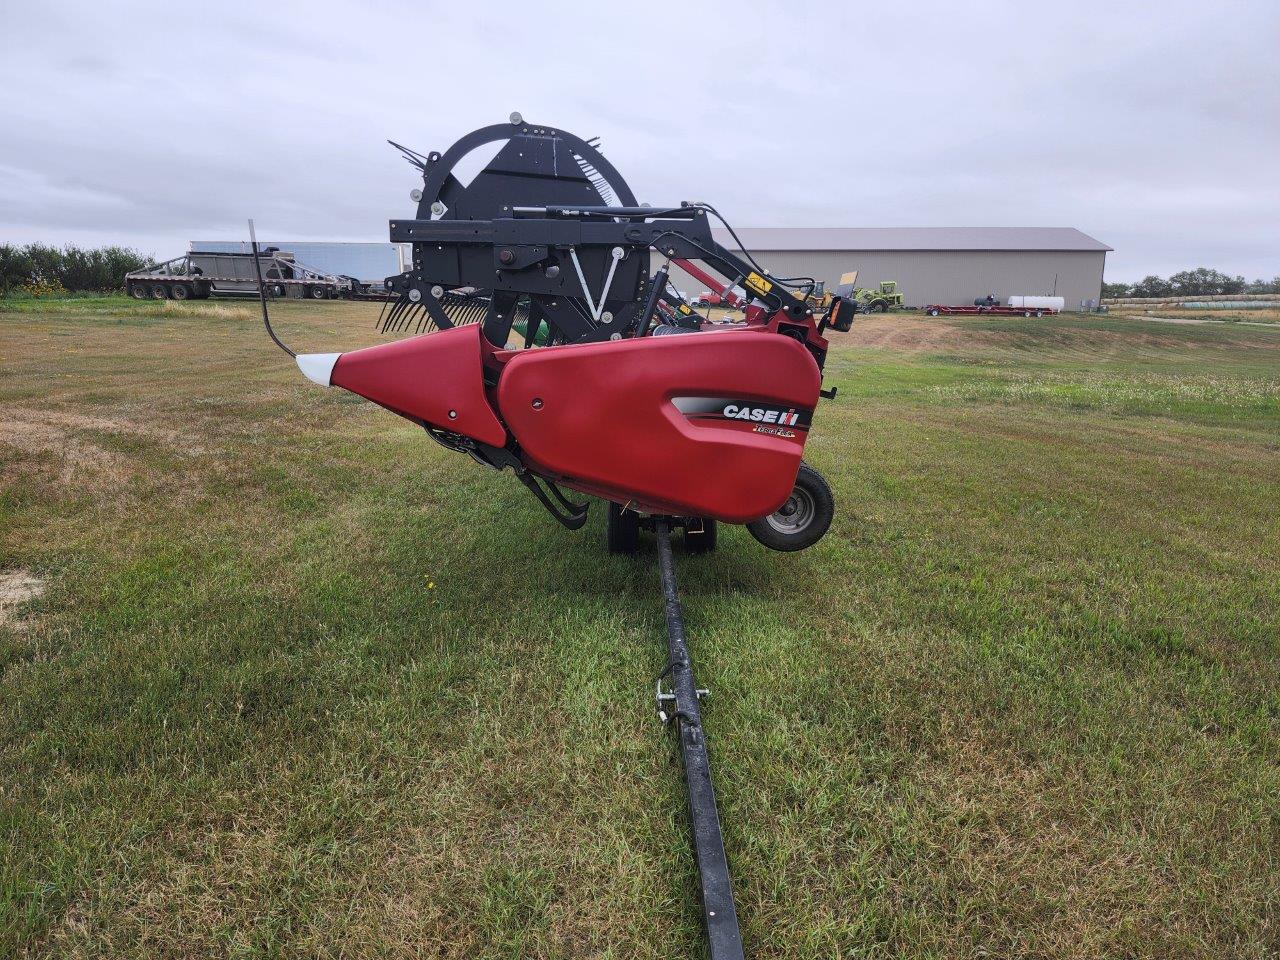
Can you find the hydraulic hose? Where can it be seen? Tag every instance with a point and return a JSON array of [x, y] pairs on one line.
[[262, 295]]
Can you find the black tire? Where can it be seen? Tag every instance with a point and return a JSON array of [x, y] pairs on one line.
[[160, 291], [1026, 313], [139, 291], [622, 530], [933, 313], [702, 539], [1039, 313], [803, 519], [181, 291], [318, 293]]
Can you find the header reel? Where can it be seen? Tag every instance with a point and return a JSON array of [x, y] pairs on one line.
[[548, 240], [580, 291]]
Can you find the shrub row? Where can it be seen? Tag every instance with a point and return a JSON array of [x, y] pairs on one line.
[[1200, 282], [41, 266]]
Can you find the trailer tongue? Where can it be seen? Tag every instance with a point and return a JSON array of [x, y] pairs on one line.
[[547, 347], [680, 706]]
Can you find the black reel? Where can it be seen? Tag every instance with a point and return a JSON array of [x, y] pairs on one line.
[[566, 292]]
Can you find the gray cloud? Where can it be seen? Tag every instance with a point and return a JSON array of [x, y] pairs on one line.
[[1152, 127]]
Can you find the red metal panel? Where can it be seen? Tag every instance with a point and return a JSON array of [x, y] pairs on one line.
[[436, 377], [600, 417]]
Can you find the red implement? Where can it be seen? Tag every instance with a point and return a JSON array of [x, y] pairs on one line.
[[708, 424], [436, 378]]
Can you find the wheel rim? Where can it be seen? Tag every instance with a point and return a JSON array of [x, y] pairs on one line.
[[179, 293], [795, 515], [158, 292]]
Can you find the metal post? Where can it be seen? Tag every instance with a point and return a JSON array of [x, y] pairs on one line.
[[719, 911]]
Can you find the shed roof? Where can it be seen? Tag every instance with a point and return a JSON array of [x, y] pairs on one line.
[[913, 238]]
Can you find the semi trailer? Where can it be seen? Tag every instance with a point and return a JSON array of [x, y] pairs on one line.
[[200, 274]]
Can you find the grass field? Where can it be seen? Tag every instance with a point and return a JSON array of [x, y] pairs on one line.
[[301, 683], [1266, 315]]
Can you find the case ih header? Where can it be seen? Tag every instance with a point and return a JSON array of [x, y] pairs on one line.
[[675, 421]]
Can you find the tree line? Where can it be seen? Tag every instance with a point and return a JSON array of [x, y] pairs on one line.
[[1200, 282], [45, 267]]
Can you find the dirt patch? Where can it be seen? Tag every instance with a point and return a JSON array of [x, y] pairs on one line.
[[1272, 325], [58, 433], [78, 458], [16, 588], [908, 333], [81, 421]]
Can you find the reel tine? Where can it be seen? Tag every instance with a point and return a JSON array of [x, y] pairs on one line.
[[397, 315], [410, 314]]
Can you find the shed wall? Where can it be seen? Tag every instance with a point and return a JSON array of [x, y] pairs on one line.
[[942, 276]]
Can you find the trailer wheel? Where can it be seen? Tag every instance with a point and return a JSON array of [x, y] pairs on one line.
[[139, 291], [160, 291], [880, 306], [622, 530], [702, 539], [181, 291], [1039, 313], [933, 312], [319, 293], [1026, 313], [803, 519]]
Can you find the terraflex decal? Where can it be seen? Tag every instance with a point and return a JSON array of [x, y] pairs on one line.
[[769, 418]]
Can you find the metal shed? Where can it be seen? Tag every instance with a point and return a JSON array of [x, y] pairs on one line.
[[934, 264]]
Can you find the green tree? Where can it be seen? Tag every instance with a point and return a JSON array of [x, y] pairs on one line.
[[1203, 281], [100, 270], [15, 267], [1152, 286], [1116, 290]]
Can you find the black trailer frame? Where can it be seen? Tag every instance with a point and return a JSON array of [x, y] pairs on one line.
[[185, 277]]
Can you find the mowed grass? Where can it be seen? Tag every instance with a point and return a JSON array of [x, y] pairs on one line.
[[1269, 314], [302, 683]]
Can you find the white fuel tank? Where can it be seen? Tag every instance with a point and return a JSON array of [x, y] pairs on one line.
[[1039, 303]]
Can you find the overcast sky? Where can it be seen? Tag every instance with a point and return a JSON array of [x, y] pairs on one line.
[[1153, 127]]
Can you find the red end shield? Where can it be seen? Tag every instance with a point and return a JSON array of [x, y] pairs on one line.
[[437, 377]]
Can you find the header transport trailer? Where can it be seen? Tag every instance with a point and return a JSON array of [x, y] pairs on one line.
[[201, 274], [1027, 306]]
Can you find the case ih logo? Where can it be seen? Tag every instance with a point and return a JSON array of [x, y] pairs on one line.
[[728, 408]]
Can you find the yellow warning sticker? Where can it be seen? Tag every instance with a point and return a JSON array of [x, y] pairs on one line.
[[758, 283], [685, 310]]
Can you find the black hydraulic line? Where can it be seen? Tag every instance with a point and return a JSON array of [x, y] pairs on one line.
[[262, 294], [720, 914]]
